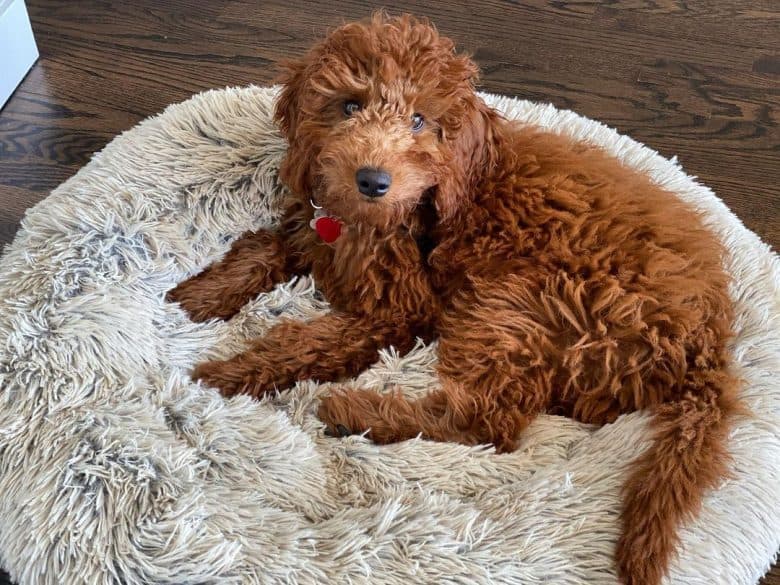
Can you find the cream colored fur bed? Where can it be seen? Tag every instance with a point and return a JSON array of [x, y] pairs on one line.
[[116, 468]]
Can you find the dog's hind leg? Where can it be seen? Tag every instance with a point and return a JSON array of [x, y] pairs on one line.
[[494, 382], [452, 414], [256, 263]]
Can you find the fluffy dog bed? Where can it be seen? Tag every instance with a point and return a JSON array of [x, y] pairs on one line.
[[115, 467]]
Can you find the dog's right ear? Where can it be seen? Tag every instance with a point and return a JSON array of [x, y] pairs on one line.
[[288, 104]]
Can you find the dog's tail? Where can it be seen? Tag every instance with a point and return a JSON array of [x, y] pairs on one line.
[[688, 456]]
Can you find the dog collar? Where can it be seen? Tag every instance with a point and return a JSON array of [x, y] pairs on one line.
[[328, 227]]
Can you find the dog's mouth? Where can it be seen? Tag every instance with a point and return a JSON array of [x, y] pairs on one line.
[[355, 208]]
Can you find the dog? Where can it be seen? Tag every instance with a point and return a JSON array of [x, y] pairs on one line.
[[554, 278]]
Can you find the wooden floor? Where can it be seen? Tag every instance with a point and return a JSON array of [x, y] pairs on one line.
[[696, 79]]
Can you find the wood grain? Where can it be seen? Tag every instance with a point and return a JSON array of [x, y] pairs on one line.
[[699, 80]]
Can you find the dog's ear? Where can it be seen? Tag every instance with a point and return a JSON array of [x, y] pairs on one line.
[[466, 132], [288, 103], [296, 166]]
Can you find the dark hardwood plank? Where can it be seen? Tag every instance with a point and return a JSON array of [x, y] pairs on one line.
[[772, 577], [700, 80]]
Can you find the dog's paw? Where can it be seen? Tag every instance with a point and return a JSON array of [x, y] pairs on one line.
[[201, 302], [334, 411], [222, 376], [340, 431], [358, 412]]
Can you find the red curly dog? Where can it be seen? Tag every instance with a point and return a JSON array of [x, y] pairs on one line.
[[555, 278]]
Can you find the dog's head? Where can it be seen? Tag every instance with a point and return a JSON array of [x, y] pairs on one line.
[[378, 114]]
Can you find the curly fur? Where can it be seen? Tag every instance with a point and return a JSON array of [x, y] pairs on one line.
[[554, 278]]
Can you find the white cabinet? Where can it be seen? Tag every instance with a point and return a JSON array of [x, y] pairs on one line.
[[18, 51]]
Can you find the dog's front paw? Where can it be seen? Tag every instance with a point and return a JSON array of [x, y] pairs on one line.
[[202, 300], [219, 375], [231, 377]]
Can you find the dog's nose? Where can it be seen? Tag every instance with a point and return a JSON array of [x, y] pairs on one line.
[[373, 182]]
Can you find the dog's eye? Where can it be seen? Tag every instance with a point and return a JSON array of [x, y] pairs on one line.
[[350, 107], [417, 122]]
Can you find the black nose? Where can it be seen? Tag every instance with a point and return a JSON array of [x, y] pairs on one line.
[[373, 182]]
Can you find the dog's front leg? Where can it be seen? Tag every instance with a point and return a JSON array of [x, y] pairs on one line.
[[328, 348], [256, 263]]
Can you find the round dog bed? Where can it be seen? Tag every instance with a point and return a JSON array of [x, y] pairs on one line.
[[116, 467]]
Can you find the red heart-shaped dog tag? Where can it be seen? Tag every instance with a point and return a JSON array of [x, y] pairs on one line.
[[328, 229]]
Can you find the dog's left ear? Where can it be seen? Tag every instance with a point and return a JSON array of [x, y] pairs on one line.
[[466, 132], [296, 166]]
